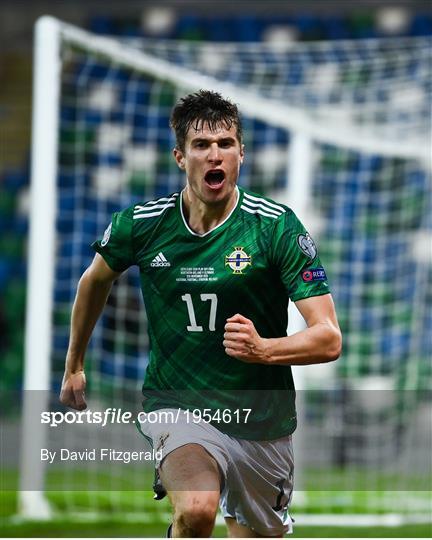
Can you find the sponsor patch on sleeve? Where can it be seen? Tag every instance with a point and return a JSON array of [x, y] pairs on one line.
[[313, 274]]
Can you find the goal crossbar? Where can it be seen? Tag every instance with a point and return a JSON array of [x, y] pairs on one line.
[[256, 106]]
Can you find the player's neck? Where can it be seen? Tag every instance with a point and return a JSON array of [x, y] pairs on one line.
[[202, 217]]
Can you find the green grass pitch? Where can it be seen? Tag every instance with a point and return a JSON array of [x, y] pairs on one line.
[[156, 521]]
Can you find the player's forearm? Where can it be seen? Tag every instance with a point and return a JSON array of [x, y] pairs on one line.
[[317, 344], [89, 302]]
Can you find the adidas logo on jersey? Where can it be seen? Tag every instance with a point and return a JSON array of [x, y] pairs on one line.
[[160, 260]]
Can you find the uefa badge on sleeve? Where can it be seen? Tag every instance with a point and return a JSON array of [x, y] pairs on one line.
[[307, 245], [106, 235]]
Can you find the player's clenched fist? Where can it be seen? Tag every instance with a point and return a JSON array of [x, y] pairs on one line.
[[72, 392], [242, 341]]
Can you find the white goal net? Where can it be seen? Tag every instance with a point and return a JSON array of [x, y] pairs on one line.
[[340, 131]]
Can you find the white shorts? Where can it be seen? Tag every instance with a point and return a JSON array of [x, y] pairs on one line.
[[258, 475]]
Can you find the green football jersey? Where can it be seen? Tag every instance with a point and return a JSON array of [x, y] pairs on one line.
[[252, 263]]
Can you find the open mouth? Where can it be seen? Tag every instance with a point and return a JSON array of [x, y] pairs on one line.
[[214, 178]]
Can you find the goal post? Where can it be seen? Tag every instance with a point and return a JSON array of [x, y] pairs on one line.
[[340, 159], [41, 258]]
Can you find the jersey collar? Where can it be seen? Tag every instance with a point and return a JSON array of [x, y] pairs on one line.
[[214, 228]]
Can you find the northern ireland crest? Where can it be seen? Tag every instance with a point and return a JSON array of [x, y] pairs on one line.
[[238, 260]]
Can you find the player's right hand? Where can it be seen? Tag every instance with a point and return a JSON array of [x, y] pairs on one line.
[[72, 391]]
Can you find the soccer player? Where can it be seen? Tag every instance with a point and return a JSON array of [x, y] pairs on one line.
[[218, 266]]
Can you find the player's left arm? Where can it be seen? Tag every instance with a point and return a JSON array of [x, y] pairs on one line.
[[320, 342]]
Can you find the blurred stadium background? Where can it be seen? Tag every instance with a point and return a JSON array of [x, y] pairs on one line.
[[365, 435]]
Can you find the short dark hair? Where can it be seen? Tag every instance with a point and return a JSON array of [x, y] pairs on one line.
[[203, 107]]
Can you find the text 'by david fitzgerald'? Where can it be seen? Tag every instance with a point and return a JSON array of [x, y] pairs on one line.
[[99, 454]]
